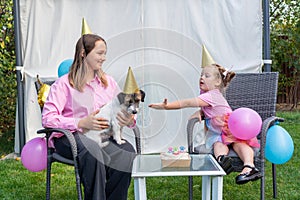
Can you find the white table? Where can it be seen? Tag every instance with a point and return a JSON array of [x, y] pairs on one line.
[[201, 165]]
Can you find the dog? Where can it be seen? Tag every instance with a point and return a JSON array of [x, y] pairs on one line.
[[127, 102]]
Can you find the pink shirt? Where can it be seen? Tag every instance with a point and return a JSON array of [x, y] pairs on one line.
[[65, 106], [218, 105], [218, 129]]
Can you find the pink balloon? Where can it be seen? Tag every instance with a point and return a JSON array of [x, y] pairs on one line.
[[244, 123], [34, 155]]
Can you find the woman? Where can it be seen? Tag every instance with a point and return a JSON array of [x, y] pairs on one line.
[[72, 104]]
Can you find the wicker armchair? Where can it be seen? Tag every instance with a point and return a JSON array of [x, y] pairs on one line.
[[257, 91], [55, 157]]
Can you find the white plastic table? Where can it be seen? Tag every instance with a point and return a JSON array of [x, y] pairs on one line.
[[201, 165]]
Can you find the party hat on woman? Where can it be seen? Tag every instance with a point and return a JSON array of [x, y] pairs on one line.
[[85, 29]]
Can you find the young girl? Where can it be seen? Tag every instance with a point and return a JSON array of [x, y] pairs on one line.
[[214, 78]]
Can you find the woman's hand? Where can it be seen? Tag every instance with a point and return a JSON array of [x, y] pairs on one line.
[[91, 122], [159, 106], [125, 118]]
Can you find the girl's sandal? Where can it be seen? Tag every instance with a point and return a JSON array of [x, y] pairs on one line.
[[225, 162], [252, 175]]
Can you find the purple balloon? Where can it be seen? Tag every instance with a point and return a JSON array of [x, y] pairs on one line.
[[244, 123], [34, 155]]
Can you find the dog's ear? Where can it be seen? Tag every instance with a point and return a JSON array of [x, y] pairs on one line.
[[143, 94], [121, 97]]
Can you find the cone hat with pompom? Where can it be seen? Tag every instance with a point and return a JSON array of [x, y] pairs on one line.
[[85, 29], [130, 86], [206, 57]]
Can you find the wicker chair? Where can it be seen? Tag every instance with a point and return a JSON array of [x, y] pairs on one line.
[[55, 157], [257, 91]]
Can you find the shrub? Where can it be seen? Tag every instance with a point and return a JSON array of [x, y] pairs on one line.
[[8, 91]]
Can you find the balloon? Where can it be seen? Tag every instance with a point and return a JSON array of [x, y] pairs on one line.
[[279, 145], [244, 123], [34, 155], [64, 67]]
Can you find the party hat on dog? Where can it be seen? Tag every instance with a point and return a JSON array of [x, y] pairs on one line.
[[130, 86], [206, 57], [85, 28]]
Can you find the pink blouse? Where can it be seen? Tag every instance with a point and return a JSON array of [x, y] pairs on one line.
[[65, 106]]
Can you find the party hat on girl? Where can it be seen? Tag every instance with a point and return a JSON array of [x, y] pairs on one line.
[[206, 57]]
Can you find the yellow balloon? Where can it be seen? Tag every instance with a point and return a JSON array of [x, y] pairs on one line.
[[43, 94]]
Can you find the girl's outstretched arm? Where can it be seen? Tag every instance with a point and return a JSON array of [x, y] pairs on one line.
[[184, 103]]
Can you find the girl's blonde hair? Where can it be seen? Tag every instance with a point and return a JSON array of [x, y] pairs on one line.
[[78, 70], [225, 75]]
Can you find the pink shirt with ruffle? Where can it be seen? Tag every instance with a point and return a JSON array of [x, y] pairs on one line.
[[217, 115]]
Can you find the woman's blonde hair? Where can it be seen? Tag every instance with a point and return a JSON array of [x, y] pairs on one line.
[[78, 70]]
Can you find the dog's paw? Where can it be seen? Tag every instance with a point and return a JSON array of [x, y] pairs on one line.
[[121, 142], [103, 144]]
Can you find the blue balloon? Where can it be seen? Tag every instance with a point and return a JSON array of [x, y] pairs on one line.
[[279, 145], [64, 67]]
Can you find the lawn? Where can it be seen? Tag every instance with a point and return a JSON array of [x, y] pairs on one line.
[[18, 183]]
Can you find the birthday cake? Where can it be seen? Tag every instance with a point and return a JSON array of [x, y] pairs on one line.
[[175, 158]]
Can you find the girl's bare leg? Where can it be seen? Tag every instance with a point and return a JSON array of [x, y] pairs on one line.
[[246, 154], [220, 149]]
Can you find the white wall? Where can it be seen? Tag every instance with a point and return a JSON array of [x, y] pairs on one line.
[[160, 40]]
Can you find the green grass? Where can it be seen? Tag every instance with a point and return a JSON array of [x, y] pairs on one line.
[[18, 183]]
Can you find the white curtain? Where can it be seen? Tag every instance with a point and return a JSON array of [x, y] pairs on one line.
[[160, 39]]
